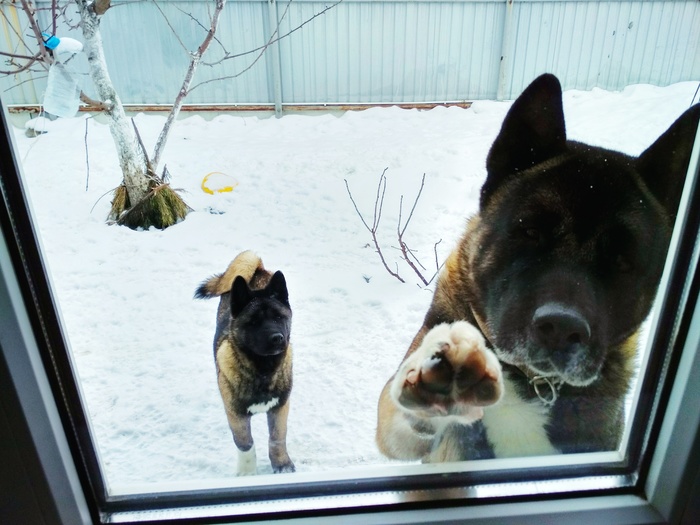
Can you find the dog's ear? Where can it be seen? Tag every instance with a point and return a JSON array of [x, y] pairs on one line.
[[532, 132], [240, 295], [664, 164], [278, 287]]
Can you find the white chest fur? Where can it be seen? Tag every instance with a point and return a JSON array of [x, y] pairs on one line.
[[517, 427], [263, 407]]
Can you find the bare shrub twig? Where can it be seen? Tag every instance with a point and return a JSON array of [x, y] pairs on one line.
[[378, 205], [407, 254]]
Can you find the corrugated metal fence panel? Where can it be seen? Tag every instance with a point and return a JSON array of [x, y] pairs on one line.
[[378, 51], [26, 87], [148, 61], [147, 52], [22, 87], [604, 44], [381, 52]]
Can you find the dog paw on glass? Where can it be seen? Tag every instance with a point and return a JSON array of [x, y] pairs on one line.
[[451, 374]]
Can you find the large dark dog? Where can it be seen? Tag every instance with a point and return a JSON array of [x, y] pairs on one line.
[[253, 355], [555, 275]]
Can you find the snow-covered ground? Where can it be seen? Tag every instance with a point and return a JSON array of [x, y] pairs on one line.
[[142, 345]]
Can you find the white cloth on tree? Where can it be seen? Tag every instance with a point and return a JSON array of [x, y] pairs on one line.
[[62, 96]]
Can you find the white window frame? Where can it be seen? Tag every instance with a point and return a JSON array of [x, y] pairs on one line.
[[671, 484]]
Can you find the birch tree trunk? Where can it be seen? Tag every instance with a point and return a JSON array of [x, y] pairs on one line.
[[131, 159]]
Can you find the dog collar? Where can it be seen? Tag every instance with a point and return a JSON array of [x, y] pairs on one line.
[[546, 388]]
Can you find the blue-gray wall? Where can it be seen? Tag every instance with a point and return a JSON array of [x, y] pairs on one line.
[[382, 51]]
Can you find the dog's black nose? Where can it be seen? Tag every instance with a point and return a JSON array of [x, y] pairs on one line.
[[276, 339], [560, 329]]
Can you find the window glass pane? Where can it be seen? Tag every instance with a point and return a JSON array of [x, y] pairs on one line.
[[359, 210], [142, 345]]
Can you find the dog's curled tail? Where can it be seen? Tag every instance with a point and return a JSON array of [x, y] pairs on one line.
[[246, 264]]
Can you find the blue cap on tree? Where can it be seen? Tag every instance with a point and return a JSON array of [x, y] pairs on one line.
[[50, 41]]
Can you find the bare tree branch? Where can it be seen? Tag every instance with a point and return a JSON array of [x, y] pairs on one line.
[[54, 15], [420, 190], [143, 148], [407, 254], [11, 25], [87, 157], [400, 232], [21, 68], [42, 57], [262, 48], [437, 262], [23, 57], [262, 52], [167, 21], [93, 103], [196, 21], [30, 11], [26, 81], [378, 205], [273, 40], [100, 6], [185, 89]]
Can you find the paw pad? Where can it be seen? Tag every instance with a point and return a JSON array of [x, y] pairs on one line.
[[450, 378]]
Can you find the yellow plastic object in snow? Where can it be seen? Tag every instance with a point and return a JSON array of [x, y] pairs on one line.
[[217, 182]]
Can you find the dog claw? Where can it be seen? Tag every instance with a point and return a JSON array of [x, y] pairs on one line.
[[437, 374], [412, 377]]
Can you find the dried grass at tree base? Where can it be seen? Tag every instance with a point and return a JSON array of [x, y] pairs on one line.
[[162, 207]]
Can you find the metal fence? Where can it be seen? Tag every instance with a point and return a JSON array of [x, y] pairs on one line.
[[377, 51]]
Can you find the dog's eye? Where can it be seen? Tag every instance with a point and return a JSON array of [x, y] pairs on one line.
[[532, 233], [535, 229], [622, 264]]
